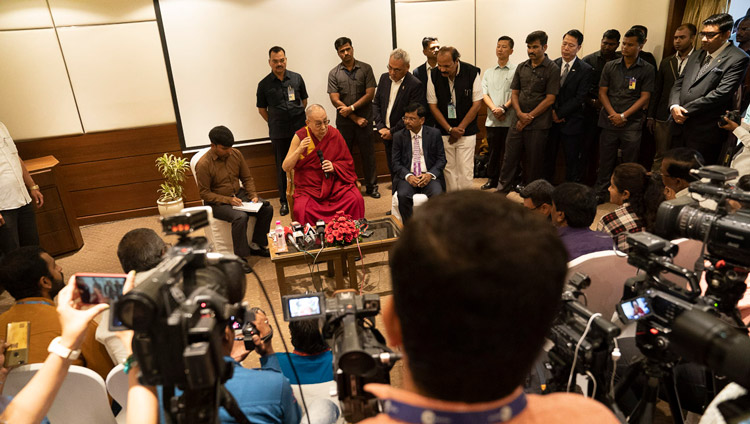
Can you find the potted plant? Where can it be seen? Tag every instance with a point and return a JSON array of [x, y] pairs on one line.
[[173, 170]]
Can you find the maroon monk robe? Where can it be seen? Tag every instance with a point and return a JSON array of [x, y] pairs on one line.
[[317, 197]]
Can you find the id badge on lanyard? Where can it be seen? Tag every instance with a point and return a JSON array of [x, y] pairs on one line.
[[451, 111], [290, 93]]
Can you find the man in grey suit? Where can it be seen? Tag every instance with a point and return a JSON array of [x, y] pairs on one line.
[[418, 159], [704, 91], [670, 68], [397, 88]]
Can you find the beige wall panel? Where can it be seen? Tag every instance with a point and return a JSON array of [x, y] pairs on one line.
[[80, 12], [118, 75], [504, 17], [621, 15], [450, 21], [23, 14], [36, 96]]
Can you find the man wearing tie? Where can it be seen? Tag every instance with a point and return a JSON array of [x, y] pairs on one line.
[[567, 113], [705, 90], [397, 88], [418, 159], [658, 109]]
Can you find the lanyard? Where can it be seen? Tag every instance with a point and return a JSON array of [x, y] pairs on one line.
[[417, 415], [34, 302]]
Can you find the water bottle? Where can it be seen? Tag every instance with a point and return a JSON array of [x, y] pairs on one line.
[[280, 241]]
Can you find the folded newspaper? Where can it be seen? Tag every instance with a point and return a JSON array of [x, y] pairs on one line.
[[249, 206]]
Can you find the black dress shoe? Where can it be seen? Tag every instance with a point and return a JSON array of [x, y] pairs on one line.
[[284, 209], [374, 193], [488, 185], [263, 251]]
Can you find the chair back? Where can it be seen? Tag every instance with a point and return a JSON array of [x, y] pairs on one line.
[[290, 193], [82, 398], [117, 385], [608, 271]]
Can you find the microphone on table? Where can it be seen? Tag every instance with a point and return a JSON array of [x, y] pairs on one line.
[[320, 156], [289, 235]]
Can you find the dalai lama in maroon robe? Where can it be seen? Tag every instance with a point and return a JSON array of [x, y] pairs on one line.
[[315, 196]]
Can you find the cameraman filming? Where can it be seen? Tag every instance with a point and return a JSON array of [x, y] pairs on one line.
[[468, 347]]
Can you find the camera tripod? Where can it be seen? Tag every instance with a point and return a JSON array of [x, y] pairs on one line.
[[656, 373]]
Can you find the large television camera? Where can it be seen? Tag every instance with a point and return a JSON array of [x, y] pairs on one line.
[[360, 355], [179, 314], [726, 235]]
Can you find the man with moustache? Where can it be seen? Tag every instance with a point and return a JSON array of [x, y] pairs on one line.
[[397, 88], [281, 101], [706, 89], [670, 68], [351, 87], [535, 86], [430, 47], [455, 96], [33, 278], [568, 110], [624, 90], [496, 89]]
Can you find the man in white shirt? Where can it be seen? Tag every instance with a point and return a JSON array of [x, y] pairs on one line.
[[418, 160], [17, 190], [455, 97], [430, 47], [496, 89]]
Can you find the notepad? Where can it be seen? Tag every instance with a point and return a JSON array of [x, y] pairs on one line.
[[249, 206]]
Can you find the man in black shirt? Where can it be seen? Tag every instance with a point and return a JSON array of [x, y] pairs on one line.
[[281, 101], [535, 86], [624, 90]]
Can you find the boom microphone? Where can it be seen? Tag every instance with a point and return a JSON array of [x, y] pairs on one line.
[[320, 156]]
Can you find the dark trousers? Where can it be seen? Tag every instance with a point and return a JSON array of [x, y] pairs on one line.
[[628, 141], [707, 141], [406, 194], [238, 219], [280, 149], [388, 144], [362, 137], [572, 145], [590, 149], [19, 229], [530, 144], [496, 142]]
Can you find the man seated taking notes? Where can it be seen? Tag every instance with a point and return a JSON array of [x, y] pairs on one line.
[[219, 173], [324, 177]]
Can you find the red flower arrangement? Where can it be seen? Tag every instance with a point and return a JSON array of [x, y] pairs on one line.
[[342, 230]]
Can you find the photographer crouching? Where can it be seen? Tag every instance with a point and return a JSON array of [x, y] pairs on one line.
[[472, 303]]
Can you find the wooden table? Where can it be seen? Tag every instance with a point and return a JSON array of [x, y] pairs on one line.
[[385, 233]]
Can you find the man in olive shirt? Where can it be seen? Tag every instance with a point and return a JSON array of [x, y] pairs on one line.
[[219, 173], [281, 101], [351, 87], [624, 90], [535, 86]]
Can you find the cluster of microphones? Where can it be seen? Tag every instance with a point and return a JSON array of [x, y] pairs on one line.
[[305, 238]]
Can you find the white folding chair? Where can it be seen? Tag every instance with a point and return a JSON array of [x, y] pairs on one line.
[[82, 398], [117, 387], [218, 232], [418, 200]]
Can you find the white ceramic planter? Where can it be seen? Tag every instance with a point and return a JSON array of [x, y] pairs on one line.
[[170, 208]]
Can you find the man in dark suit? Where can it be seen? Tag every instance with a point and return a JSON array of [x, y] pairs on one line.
[[418, 159], [397, 88], [567, 113], [647, 56], [658, 108], [430, 47], [705, 90]]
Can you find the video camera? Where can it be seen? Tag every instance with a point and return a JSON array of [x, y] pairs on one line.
[[583, 344], [179, 315], [360, 355]]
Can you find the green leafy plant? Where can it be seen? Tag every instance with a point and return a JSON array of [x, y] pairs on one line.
[[173, 169]]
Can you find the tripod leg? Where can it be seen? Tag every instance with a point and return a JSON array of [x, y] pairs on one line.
[[644, 411], [672, 398]]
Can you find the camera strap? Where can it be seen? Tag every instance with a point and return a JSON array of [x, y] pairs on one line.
[[418, 415]]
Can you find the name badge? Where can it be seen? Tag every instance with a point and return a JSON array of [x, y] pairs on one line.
[[290, 93], [451, 111], [631, 83]]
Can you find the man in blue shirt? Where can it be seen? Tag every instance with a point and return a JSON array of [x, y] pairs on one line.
[[573, 212]]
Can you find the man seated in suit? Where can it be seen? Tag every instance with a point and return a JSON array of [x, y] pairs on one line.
[[705, 90], [33, 278], [396, 89], [567, 112], [418, 159], [324, 177]]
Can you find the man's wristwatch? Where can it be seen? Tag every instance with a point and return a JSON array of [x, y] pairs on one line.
[[58, 349], [503, 108], [34, 187], [622, 115], [352, 106]]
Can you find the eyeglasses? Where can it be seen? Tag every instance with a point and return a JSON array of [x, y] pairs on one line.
[[709, 35], [319, 124], [409, 119]]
